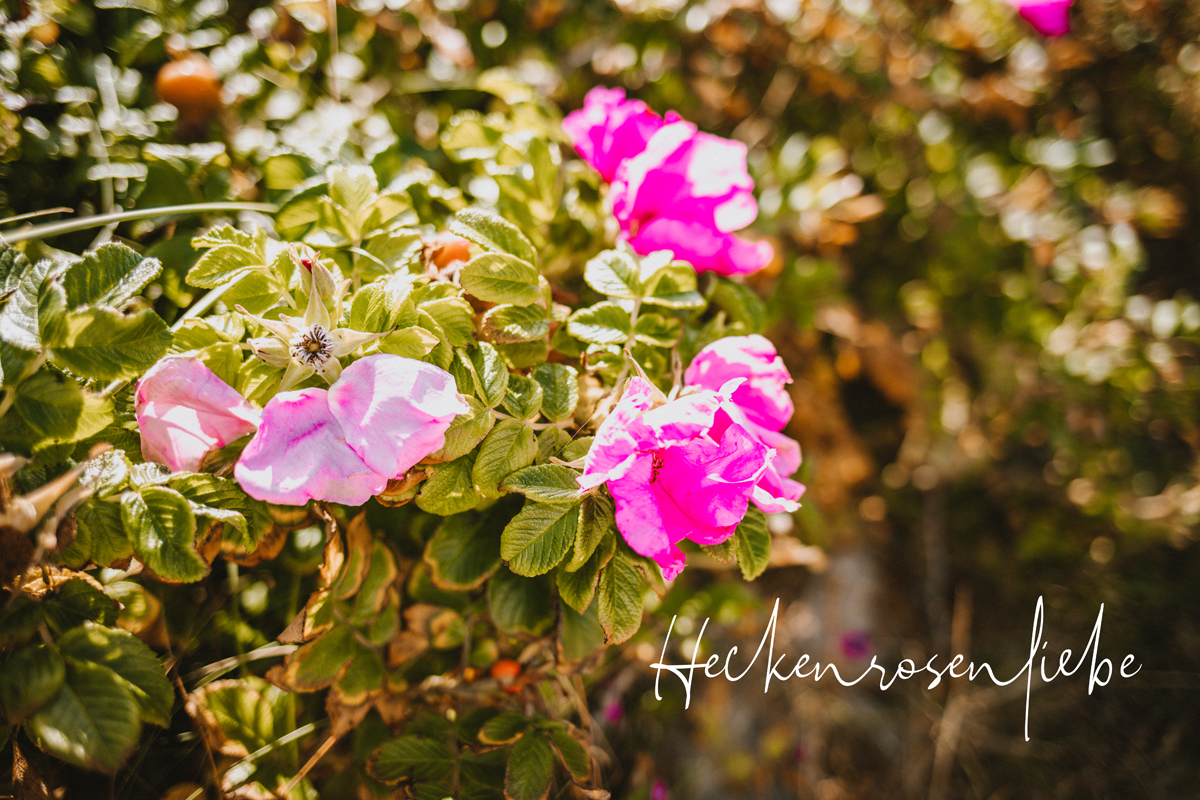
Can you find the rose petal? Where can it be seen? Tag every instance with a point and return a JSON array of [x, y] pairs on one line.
[[701, 245], [1049, 18], [610, 129], [184, 411], [714, 481], [394, 411], [763, 396], [613, 443], [300, 453]]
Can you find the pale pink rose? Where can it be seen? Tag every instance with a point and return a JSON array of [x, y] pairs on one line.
[[300, 454], [760, 405], [673, 473], [609, 129], [381, 416], [1048, 17], [394, 410], [184, 411]]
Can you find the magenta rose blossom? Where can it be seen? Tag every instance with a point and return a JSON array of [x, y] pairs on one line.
[[760, 405], [1048, 17], [184, 411], [675, 471], [609, 129], [381, 416]]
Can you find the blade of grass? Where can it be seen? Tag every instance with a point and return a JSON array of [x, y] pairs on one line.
[[99, 220]]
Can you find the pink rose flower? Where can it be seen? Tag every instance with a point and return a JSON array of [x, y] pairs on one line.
[[609, 129], [674, 472], [687, 192], [184, 411], [1048, 17], [760, 405], [381, 416]]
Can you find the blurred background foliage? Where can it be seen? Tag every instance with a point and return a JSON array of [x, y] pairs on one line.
[[986, 291]]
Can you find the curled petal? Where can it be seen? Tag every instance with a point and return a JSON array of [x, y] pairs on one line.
[[300, 454], [184, 410], [395, 410], [702, 245], [763, 396]]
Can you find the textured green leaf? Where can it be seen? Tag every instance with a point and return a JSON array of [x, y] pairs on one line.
[[509, 323], [657, 330], [411, 342], [492, 232], [352, 187], [100, 536], [317, 664], [579, 587], [109, 275], [619, 601], [545, 483], [596, 521], [501, 278], [510, 446], [229, 251], [538, 538], [579, 635], [560, 390], [130, 658], [455, 316], [105, 344], [163, 529], [490, 374], [504, 728], [614, 273], [530, 768], [572, 754], [450, 490], [13, 264], [463, 553], [19, 315], [30, 678], [753, 542], [466, 431], [523, 399], [674, 286], [223, 500], [256, 292], [521, 605], [77, 602], [413, 758], [603, 323], [550, 444], [383, 305], [93, 722], [57, 408]]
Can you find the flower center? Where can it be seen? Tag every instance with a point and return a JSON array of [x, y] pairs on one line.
[[312, 347]]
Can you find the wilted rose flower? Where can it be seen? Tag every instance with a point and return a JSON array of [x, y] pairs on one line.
[[1048, 17], [381, 416], [687, 192], [674, 470], [609, 129], [760, 405], [184, 411]]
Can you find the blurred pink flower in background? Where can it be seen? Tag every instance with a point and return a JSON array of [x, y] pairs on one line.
[[613, 712], [673, 187], [856, 645], [1048, 17], [760, 405], [379, 418], [659, 792], [673, 472], [184, 411]]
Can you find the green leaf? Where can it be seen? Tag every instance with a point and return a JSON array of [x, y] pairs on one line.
[[753, 542], [538, 538], [163, 529], [224, 359], [106, 345], [493, 233], [466, 431], [560, 390], [504, 728], [524, 397], [603, 323], [740, 303], [545, 483], [570, 752], [530, 768], [674, 286], [412, 342], [456, 318], [30, 678], [196, 334], [579, 634], [100, 536], [657, 330], [352, 187], [614, 273], [130, 658], [57, 408], [577, 588], [109, 275], [510, 446], [19, 325], [521, 605], [463, 553], [466, 137], [501, 278], [223, 500], [619, 604], [319, 663], [489, 373], [230, 251], [509, 323], [13, 265], [596, 521], [383, 305], [412, 758], [93, 722], [256, 292], [450, 490], [725, 552], [78, 602]]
